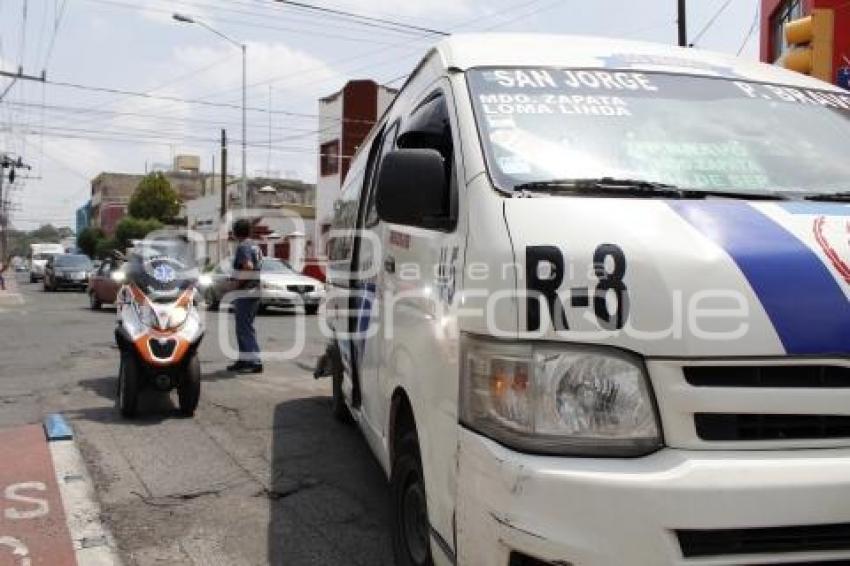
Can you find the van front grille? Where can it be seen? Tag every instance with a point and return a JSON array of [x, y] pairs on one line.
[[743, 427], [810, 376], [808, 538]]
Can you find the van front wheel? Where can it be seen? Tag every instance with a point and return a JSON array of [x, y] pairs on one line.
[[411, 528]]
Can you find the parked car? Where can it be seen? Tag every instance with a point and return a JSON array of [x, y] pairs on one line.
[[104, 283], [67, 271], [280, 286]]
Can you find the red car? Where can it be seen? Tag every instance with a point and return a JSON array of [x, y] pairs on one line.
[[104, 283]]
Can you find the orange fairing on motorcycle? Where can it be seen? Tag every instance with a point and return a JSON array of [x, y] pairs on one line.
[[159, 330], [163, 343]]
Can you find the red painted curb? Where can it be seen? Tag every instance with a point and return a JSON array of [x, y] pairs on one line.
[[32, 519]]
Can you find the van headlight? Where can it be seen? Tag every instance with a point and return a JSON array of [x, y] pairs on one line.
[[558, 399]]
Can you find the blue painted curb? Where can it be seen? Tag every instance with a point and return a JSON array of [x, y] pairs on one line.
[[55, 428]]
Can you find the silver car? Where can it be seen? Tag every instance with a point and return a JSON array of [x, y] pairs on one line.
[[280, 286]]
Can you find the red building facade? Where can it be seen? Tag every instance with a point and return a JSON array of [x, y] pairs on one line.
[[775, 13]]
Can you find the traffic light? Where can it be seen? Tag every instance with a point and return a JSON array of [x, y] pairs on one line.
[[810, 42]]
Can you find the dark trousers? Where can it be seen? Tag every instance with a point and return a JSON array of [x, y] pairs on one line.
[[245, 310]]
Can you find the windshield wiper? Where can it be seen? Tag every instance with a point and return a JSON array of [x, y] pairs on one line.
[[610, 186], [636, 187], [829, 197]]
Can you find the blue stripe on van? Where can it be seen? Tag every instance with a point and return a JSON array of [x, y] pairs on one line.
[[808, 309], [816, 208]]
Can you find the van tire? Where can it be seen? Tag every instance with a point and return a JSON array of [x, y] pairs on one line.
[[128, 386], [411, 531], [338, 406], [189, 387]]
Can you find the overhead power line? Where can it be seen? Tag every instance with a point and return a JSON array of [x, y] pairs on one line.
[[57, 22], [752, 29], [710, 22], [359, 17], [263, 24], [110, 90]]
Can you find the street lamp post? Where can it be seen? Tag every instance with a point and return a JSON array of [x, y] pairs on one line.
[[243, 186]]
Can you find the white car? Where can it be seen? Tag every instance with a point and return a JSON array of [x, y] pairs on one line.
[[601, 306], [280, 286]]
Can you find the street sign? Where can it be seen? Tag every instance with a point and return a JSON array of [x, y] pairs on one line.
[[842, 78]]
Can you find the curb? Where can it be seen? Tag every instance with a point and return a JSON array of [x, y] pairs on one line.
[[93, 543]]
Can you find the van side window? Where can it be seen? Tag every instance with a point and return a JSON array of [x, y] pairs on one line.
[[387, 146], [429, 127], [341, 245]]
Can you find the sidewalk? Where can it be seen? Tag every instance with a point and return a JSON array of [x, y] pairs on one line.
[[11, 296]]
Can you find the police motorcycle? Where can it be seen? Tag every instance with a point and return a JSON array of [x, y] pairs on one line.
[[159, 327]]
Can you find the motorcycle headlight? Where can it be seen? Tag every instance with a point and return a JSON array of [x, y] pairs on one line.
[[558, 399], [205, 280], [118, 276]]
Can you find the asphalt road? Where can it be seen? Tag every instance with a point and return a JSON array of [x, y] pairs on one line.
[[262, 475]]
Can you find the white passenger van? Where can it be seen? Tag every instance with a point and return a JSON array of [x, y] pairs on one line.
[[590, 306]]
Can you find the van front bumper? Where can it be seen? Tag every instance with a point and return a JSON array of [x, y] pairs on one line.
[[592, 511]]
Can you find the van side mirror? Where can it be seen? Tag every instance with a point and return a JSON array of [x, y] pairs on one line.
[[412, 190]]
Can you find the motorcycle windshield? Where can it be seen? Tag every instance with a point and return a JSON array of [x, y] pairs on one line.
[[162, 276]]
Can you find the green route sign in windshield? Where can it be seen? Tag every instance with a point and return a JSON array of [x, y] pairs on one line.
[[694, 132]]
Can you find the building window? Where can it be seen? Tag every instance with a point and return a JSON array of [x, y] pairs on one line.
[[329, 158], [786, 12]]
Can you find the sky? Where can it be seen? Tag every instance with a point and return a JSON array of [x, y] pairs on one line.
[[295, 56]]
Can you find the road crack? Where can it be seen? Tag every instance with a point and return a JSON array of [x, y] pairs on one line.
[[177, 499]]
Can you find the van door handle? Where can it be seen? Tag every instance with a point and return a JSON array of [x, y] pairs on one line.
[[389, 264]]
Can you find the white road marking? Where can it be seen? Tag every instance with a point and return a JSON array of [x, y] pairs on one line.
[[11, 494], [94, 545], [18, 549]]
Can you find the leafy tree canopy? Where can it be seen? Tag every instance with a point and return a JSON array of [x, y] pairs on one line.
[[131, 228], [88, 239], [155, 198]]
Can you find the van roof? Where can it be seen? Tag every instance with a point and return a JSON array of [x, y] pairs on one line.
[[466, 51]]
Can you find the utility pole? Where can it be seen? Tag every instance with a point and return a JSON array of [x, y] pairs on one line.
[[4, 225], [222, 244], [223, 173], [683, 26], [244, 127], [6, 163]]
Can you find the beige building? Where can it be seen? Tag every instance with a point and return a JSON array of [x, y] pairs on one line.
[[111, 192]]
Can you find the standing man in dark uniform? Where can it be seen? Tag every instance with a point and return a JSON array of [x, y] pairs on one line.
[[246, 272]]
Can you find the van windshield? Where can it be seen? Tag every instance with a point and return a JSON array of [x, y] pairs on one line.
[[538, 125]]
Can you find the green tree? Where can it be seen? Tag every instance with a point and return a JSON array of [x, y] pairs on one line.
[[87, 240], [131, 228], [45, 233], [105, 247], [154, 198]]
